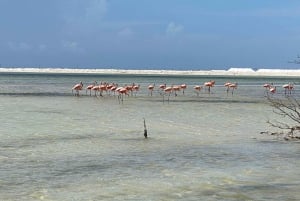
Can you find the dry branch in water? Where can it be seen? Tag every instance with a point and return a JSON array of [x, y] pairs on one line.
[[289, 109]]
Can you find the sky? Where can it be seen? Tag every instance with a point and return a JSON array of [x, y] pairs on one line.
[[150, 34]]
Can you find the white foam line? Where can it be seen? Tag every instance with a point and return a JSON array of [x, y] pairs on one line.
[[229, 72]]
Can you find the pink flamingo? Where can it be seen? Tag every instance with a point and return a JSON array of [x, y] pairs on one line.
[[183, 87], [130, 88], [267, 87], [151, 88], [96, 88], [114, 88], [272, 89], [102, 87], [168, 91], [227, 84], [124, 91], [288, 88], [108, 87], [89, 88], [209, 84], [77, 88], [162, 86], [175, 89], [136, 88], [233, 87], [197, 89], [121, 91]]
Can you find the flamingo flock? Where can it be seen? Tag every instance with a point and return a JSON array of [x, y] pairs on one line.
[[105, 88], [288, 88], [269, 87]]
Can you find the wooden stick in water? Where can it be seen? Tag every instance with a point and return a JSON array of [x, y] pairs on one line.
[[145, 129]]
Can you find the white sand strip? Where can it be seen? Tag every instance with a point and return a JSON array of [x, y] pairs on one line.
[[229, 72]]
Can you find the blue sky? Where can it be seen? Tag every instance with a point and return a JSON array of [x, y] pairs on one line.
[[149, 34]]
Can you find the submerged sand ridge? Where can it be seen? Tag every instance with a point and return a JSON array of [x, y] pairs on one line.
[[229, 72]]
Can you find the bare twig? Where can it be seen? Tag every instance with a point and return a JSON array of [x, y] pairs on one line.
[[288, 108]]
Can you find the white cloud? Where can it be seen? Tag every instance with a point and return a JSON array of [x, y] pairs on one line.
[[96, 10], [83, 16], [261, 12], [126, 32], [276, 12], [19, 46], [42, 47], [173, 28], [72, 46]]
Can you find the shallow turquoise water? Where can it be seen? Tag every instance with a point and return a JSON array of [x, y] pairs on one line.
[[55, 146]]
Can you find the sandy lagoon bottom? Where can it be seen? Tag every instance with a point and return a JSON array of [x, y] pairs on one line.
[[86, 148]]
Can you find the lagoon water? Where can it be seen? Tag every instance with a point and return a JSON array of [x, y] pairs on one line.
[[56, 146]]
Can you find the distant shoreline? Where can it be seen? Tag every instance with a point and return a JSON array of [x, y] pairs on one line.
[[229, 72]]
